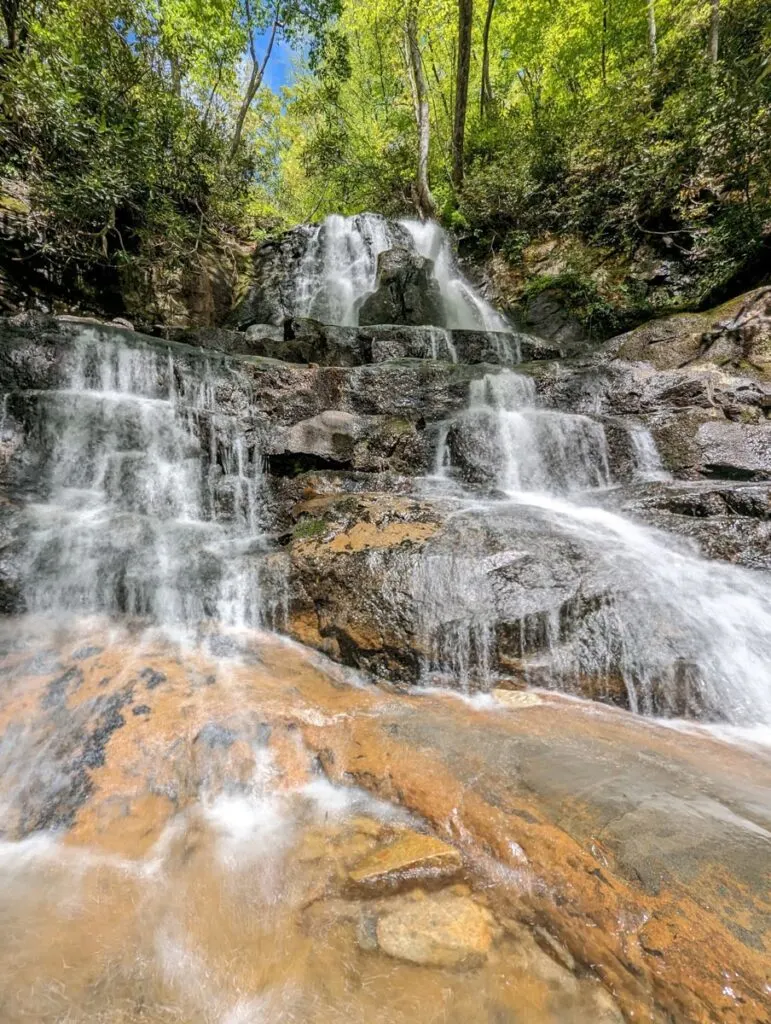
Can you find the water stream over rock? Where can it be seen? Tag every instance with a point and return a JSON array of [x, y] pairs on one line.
[[203, 821]]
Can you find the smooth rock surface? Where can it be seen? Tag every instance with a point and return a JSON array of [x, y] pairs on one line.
[[413, 858], [441, 931]]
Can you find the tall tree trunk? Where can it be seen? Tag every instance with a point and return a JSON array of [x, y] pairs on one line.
[[604, 51], [425, 201], [486, 89], [255, 80], [10, 12], [652, 41], [714, 31], [463, 67]]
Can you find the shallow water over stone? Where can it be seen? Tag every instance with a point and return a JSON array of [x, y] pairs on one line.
[[242, 834], [205, 823]]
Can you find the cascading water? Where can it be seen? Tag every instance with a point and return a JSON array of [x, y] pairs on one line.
[[679, 634], [153, 494], [464, 308], [339, 270]]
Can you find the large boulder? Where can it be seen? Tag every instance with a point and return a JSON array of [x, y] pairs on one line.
[[736, 335], [406, 291]]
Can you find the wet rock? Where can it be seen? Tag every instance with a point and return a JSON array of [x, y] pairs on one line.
[[275, 266], [413, 858], [517, 699], [726, 520], [451, 932], [406, 291]]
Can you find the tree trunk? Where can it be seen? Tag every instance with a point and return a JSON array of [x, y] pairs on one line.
[[652, 42], [425, 201], [604, 52], [714, 31], [463, 67], [255, 81], [10, 12], [486, 89]]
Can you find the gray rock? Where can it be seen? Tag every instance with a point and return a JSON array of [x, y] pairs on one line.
[[270, 299], [547, 316], [736, 450], [406, 291]]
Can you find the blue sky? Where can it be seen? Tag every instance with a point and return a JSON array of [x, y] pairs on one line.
[[279, 71]]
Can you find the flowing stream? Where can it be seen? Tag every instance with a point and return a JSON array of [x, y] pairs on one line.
[[683, 635], [170, 850]]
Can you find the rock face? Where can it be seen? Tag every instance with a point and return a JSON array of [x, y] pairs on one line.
[[736, 336], [406, 292], [270, 297]]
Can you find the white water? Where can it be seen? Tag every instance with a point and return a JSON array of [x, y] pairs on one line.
[[464, 308], [339, 270], [153, 494], [684, 635], [647, 461]]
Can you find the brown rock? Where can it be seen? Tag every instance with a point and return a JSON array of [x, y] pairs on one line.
[[411, 857], [449, 932]]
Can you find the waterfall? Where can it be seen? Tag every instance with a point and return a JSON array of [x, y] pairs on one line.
[[646, 458], [464, 308], [339, 267], [677, 633], [541, 449], [152, 494], [339, 270]]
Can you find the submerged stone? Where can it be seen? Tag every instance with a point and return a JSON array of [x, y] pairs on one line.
[[411, 858], [451, 931]]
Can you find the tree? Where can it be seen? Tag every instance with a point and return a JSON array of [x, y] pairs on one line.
[[257, 72], [292, 20], [652, 43], [462, 70], [485, 88], [714, 30], [424, 199]]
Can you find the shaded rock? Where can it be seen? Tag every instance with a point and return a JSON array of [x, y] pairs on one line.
[[412, 858], [548, 317], [275, 265], [406, 291], [342, 440], [450, 932]]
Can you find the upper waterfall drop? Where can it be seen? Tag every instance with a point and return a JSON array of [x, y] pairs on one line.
[[338, 271]]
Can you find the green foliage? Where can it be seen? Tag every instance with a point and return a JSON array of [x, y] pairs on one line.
[[671, 156], [582, 299], [309, 529], [122, 115], [119, 114]]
